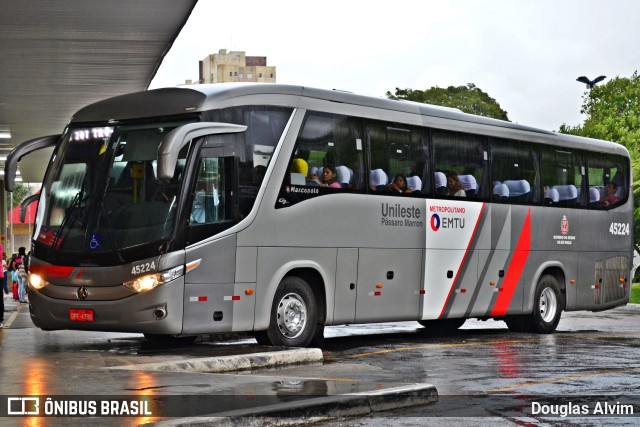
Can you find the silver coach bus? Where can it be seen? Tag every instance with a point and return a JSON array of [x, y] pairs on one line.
[[281, 209]]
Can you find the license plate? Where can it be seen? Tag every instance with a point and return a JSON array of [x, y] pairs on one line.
[[80, 315]]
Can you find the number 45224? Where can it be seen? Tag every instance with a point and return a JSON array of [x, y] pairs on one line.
[[143, 268], [619, 229]]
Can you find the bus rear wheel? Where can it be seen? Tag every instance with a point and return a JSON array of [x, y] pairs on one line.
[[294, 316], [547, 307]]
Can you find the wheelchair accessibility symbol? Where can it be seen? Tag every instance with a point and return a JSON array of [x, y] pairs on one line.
[[95, 242]]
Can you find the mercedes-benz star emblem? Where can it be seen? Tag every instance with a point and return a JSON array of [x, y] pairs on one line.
[[82, 293]]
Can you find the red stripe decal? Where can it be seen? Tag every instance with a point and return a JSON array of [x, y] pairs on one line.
[[464, 258], [202, 298], [52, 271], [514, 272], [235, 298]]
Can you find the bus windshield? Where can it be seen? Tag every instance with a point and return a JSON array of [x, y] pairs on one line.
[[102, 194]]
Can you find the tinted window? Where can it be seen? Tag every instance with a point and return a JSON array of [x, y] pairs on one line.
[[608, 178], [399, 159], [328, 158], [460, 157], [561, 176], [513, 172]]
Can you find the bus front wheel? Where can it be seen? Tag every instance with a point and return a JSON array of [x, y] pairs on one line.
[[294, 315]]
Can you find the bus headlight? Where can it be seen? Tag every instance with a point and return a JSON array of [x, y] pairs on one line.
[[37, 282], [150, 281]]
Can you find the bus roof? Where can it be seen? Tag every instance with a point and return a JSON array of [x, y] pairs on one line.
[[195, 98]]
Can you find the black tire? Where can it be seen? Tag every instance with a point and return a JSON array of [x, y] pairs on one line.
[[441, 326], [294, 316], [547, 307], [516, 323]]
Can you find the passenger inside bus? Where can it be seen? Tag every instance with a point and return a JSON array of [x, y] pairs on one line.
[[399, 185], [610, 198], [454, 187], [329, 178]]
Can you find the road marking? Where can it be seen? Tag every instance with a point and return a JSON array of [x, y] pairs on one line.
[[428, 346], [13, 316], [559, 379]]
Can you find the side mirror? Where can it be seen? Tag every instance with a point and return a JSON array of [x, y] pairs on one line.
[[11, 165], [25, 203]]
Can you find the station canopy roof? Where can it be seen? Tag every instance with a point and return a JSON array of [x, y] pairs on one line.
[[57, 56]]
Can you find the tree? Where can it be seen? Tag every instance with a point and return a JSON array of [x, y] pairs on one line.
[[613, 114], [469, 99]]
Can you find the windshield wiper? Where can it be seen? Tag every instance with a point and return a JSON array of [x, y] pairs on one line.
[[75, 203]]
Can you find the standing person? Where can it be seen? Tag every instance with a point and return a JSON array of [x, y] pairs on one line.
[[11, 276], [22, 273], [5, 274], [4, 286]]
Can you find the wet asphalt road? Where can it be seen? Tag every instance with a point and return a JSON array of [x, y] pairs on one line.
[[485, 375]]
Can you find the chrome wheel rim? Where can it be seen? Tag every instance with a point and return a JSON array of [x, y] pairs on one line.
[[548, 305], [292, 315]]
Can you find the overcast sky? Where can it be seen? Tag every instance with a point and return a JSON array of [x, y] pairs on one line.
[[526, 54]]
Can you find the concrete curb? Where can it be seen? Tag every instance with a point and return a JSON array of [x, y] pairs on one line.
[[316, 409], [234, 363]]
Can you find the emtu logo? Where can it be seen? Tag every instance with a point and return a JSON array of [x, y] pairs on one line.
[[435, 222]]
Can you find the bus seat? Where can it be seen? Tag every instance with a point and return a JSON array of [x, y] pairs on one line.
[[552, 197], [414, 183], [298, 179], [441, 183], [378, 179], [313, 171], [344, 177], [500, 192], [299, 166], [519, 190], [568, 194], [469, 184], [594, 196]]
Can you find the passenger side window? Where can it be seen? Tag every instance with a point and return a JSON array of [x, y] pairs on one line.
[[513, 171], [328, 157], [607, 180], [399, 159], [459, 159], [561, 176], [331, 141]]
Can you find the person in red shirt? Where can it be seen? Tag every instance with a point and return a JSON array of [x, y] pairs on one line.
[[610, 198]]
